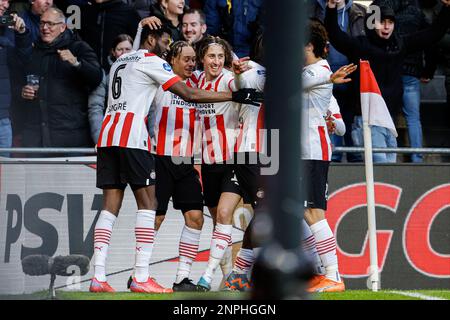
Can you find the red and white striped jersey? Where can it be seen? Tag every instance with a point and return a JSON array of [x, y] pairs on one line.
[[176, 126], [134, 80], [317, 92], [251, 137], [218, 120]]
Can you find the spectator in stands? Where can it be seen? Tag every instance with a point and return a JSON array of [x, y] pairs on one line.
[[13, 41], [431, 9], [234, 21], [141, 6], [98, 98], [103, 21], [385, 51], [409, 19], [68, 70], [169, 13], [193, 25], [351, 17], [32, 16]]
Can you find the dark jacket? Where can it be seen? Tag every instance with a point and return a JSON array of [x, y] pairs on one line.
[[59, 116], [32, 22], [237, 26], [102, 23], [409, 18], [386, 57], [351, 20], [11, 45]]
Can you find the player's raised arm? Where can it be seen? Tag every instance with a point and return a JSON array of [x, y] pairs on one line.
[[247, 96]]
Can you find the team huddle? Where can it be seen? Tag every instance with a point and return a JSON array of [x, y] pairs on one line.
[[163, 112]]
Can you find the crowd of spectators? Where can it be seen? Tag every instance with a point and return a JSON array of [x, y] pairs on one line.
[[65, 106]]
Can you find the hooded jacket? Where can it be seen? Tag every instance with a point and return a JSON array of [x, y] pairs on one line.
[[386, 57], [58, 116]]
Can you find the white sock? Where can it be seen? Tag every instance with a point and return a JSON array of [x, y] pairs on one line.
[[244, 261], [326, 248], [226, 264], [309, 248], [188, 248], [220, 241], [102, 236], [145, 233]]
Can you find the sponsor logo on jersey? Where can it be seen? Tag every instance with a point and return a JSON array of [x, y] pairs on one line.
[[167, 67], [261, 72]]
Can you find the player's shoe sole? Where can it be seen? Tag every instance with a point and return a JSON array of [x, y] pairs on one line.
[[149, 286], [328, 285], [100, 286]]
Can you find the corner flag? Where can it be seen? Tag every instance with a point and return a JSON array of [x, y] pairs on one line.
[[373, 106]]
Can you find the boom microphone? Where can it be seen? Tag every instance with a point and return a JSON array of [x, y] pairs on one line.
[[64, 265], [36, 265]]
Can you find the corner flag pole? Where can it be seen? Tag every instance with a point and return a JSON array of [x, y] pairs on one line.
[[374, 276]]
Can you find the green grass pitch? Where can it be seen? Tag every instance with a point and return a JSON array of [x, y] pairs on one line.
[[347, 295]]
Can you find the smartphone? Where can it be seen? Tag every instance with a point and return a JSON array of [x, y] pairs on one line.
[[6, 21]]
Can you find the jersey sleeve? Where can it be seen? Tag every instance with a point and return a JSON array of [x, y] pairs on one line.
[[315, 76], [158, 70], [254, 78], [230, 82]]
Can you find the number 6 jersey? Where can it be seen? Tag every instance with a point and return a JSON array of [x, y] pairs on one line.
[[134, 80]]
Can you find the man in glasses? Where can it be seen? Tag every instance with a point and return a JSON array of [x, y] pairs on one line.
[[56, 111]]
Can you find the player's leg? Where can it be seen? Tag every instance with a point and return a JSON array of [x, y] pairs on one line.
[[308, 244], [188, 249], [221, 237], [323, 235], [108, 179], [252, 192], [188, 198], [238, 279], [139, 172], [145, 233]]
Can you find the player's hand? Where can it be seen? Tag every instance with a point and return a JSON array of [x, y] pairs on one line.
[[19, 24], [446, 2], [248, 96], [66, 55], [331, 125], [153, 23], [340, 75], [241, 65], [28, 93]]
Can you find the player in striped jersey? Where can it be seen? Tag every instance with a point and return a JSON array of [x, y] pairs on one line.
[[219, 122], [123, 155], [246, 170], [176, 131], [316, 155]]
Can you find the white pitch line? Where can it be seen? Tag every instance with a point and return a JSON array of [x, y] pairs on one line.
[[416, 295]]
